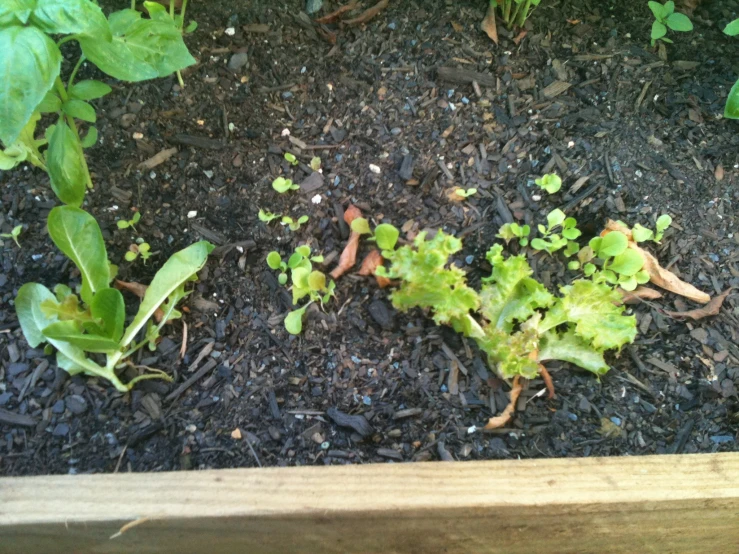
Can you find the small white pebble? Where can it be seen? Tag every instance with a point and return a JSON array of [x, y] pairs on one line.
[[316, 199], [536, 197], [285, 132], [374, 169], [471, 430], [191, 214], [230, 31], [571, 144], [137, 136]]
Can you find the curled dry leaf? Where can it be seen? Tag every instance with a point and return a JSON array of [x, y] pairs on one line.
[[369, 266], [639, 294], [547, 380], [712, 308], [500, 420], [519, 37], [368, 14], [333, 16], [349, 255], [139, 290], [452, 195], [489, 25]]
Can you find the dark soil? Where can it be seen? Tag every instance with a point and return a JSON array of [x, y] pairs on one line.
[[646, 132]]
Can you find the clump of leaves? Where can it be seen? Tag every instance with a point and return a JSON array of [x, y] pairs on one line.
[[267, 216], [462, 193], [642, 234], [666, 17], [385, 235], [138, 250], [515, 12], [126, 223], [93, 320], [283, 185], [509, 231], [551, 182], [621, 265], [306, 282], [14, 234], [731, 111], [514, 319], [293, 224], [291, 159], [551, 242]]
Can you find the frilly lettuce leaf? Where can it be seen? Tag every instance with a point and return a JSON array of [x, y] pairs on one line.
[[508, 353], [427, 282], [510, 295], [568, 347], [591, 308]]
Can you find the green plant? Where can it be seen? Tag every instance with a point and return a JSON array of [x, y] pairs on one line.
[[305, 282], [509, 231], [551, 242], [294, 224], [642, 234], [551, 182], [731, 110], [125, 224], [138, 249], [315, 163], [291, 158], [515, 12], [93, 322], [267, 216], [386, 235], [666, 17], [14, 234], [462, 193], [124, 46], [621, 265], [514, 319], [283, 185]]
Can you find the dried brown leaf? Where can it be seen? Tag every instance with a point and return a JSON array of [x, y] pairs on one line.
[[139, 290], [336, 14], [712, 308], [348, 256], [489, 25], [368, 14], [500, 420], [371, 262], [639, 294]]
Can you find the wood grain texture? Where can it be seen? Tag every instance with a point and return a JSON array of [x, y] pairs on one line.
[[686, 503]]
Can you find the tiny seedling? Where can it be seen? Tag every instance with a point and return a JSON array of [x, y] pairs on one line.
[[291, 159], [666, 17], [315, 163], [386, 235], [138, 250], [643, 234], [731, 110], [294, 224], [267, 216], [550, 182], [305, 282], [283, 185], [14, 234], [125, 224], [551, 242], [622, 265], [509, 231], [465, 193]]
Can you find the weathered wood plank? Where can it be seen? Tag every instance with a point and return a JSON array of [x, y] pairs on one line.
[[671, 504]]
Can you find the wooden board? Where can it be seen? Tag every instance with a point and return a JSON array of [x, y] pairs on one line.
[[686, 503]]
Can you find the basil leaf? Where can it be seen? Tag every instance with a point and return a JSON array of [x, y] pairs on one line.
[[29, 65], [178, 269], [67, 331], [90, 138], [89, 90], [65, 165], [50, 104], [30, 315], [79, 17], [16, 11], [80, 109], [731, 111], [108, 305], [77, 234]]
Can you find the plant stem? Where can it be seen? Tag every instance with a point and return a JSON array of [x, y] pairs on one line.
[[171, 9], [133, 4], [524, 13], [70, 82], [70, 121], [182, 12], [180, 80]]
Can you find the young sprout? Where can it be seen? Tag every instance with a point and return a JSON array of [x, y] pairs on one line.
[[125, 224], [315, 163], [509, 231], [663, 222], [142, 250], [14, 234], [666, 17], [622, 265], [386, 235], [294, 224], [283, 185], [465, 193], [551, 242], [549, 182], [291, 158], [267, 216]]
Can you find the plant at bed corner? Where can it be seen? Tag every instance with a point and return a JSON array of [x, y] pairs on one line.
[[515, 12], [731, 111], [92, 322], [665, 17]]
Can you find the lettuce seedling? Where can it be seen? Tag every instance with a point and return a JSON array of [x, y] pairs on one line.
[[385, 235], [666, 17], [622, 265], [125, 224], [14, 234], [94, 321], [283, 185], [291, 159], [509, 231], [294, 224], [551, 242], [136, 250], [550, 182], [305, 282], [462, 193], [643, 234], [267, 216], [731, 110]]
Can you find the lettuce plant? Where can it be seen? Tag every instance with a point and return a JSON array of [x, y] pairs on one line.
[[14, 234], [123, 45], [731, 110], [509, 231], [293, 224], [551, 182], [385, 235], [551, 242], [513, 319], [515, 12], [665, 17], [84, 326], [283, 185]]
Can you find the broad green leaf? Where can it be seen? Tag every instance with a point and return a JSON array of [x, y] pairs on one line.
[[663, 222], [613, 244], [79, 17], [668, 8], [78, 236], [66, 166], [67, 331], [361, 225], [316, 281], [181, 267], [628, 283], [303, 250], [15, 11], [90, 138], [568, 347], [628, 263], [274, 260], [656, 8], [156, 10], [80, 109], [508, 352], [108, 305], [641, 234], [659, 30], [29, 65], [555, 217], [50, 104], [294, 320], [731, 111], [679, 22], [732, 29], [89, 90], [30, 314], [386, 236], [295, 259]]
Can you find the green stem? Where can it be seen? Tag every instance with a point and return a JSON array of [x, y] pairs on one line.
[[179, 79], [171, 9], [182, 12], [70, 82], [70, 121], [524, 13], [133, 4], [66, 39]]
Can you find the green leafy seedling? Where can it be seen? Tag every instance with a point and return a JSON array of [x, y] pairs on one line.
[[283, 185], [465, 193], [315, 163], [267, 216], [140, 250], [666, 17], [291, 159], [552, 242], [274, 261], [551, 182], [14, 234], [663, 222], [622, 266], [731, 110], [294, 224], [510, 231], [125, 224], [515, 12], [386, 235]]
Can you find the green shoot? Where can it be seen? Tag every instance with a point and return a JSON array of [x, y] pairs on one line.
[[267, 216], [125, 224], [510, 231], [291, 159], [465, 193], [14, 234], [141, 250], [385, 235], [550, 182], [551, 242], [666, 17], [315, 163], [283, 185], [294, 224]]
